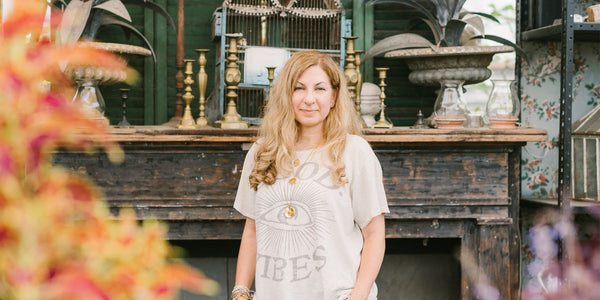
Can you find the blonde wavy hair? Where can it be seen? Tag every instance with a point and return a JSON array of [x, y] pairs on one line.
[[279, 130]]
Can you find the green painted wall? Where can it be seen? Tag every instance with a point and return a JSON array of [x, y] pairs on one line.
[[152, 99], [404, 99]]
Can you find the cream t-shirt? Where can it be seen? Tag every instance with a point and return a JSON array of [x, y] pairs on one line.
[[316, 253]]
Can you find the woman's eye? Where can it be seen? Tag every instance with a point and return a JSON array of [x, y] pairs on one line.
[[298, 88]]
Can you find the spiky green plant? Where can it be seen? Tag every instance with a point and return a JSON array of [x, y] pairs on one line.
[[447, 21], [82, 19]]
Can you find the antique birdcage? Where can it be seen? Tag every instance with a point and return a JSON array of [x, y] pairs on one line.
[[585, 163], [271, 31]]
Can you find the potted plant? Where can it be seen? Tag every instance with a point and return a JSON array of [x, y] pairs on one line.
[[452, 55], [81, 21]]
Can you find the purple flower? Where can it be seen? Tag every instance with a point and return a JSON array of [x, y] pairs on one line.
[[485, 291], [543, 242]]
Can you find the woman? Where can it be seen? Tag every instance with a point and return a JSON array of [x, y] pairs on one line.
[[312, 192]]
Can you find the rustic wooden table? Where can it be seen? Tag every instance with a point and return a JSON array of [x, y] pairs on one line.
[[440, 183]]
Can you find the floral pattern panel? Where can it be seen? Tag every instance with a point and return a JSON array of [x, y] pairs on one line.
[[540, 96]]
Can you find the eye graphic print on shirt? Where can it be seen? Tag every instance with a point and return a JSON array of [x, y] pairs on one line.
[[291, 248]]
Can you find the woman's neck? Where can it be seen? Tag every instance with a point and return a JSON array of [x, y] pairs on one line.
[[309, 140]]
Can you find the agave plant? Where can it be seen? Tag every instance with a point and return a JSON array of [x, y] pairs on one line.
[[82, 19], [448, 23]]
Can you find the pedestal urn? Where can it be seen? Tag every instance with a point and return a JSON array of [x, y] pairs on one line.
[[465, 63], [88, 77]]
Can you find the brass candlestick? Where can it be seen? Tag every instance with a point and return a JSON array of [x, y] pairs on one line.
[[382, 122], [202, 79], [271, 72], [233, 76], [124, 96], [187, 122], [350, 69], [263, 25], [420, 123], [359, 83], [179, 53]]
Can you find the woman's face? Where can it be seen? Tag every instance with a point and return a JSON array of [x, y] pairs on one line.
[[313, 98]]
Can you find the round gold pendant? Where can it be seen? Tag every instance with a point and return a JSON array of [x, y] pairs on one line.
[[289, 212]]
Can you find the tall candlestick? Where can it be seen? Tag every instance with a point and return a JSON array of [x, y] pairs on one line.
[[359, 83], [231, 119], [187, 122], [179, 52], [202, 80], [382, 122]]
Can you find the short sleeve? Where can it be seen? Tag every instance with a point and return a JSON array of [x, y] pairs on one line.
[[245, 197], [366, 182]]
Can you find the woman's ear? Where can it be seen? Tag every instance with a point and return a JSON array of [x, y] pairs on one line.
[[333, 99]]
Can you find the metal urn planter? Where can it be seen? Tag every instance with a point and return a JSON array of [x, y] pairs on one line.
[[464, 63], [89, 77]]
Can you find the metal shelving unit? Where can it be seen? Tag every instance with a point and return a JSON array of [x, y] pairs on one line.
[[584, 32], [567, 32]]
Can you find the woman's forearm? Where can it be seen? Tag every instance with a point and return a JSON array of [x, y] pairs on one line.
[[246, 263], [371, 258]]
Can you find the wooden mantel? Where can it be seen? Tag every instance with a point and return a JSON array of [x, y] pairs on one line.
[[459, 184], [166, 134]]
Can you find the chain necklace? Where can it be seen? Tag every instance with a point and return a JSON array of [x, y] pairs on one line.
[[289, 211]]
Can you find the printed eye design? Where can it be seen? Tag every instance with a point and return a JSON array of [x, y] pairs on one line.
[[305, 230], [276, 218]]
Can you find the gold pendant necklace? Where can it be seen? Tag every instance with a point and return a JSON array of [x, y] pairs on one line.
[[289, 211]]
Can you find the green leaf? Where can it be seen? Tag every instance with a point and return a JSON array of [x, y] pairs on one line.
[[110, 20], [476, 22], [485, 16], [398, 41], [435, 29], [116, 7], [59, 3], [453, 32], [155, 7], [518, 50], [442, 12], [73, 22], [456, 8]]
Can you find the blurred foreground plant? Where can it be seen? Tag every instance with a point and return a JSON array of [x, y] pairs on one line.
[[572, 274], [56, 237]]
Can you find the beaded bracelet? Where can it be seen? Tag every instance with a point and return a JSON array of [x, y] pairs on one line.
[[240, 291]]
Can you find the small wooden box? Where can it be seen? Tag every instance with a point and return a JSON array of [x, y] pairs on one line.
[[593, 13]]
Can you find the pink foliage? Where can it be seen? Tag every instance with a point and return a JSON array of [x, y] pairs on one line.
[[57, 238]]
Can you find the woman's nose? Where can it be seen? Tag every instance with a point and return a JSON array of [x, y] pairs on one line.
[[309, 98]]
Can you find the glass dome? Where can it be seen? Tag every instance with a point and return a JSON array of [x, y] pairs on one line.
[[503, 107], [450, 108]]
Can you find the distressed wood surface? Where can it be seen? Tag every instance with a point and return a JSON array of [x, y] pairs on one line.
[[461, 184], [185, 182], [394, 135]]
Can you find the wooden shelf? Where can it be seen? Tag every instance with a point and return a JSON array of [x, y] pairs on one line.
[[381, 136], [578, 207], [584, 32]]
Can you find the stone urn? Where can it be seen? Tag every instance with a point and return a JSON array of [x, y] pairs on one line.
[[88, 77], [370, 102], [465, 63]]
